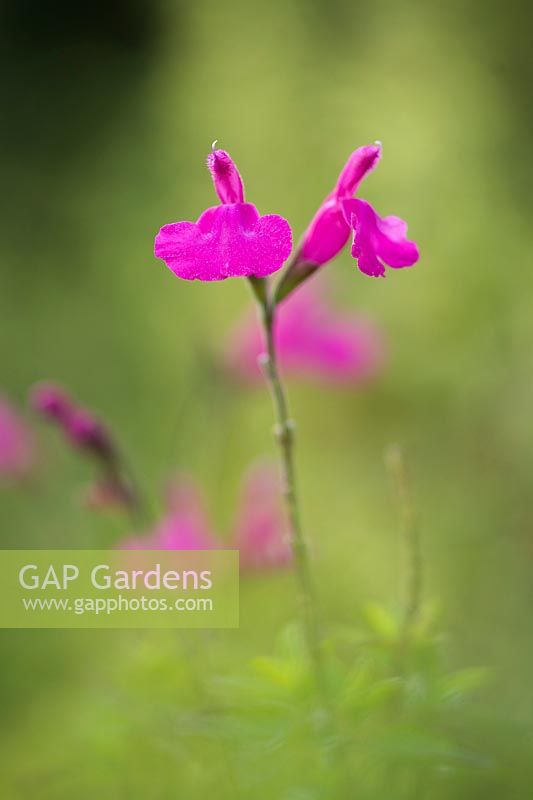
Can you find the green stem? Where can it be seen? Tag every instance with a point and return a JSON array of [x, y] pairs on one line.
[[284, 431]]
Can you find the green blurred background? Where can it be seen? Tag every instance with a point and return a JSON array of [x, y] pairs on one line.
[[110, 110]]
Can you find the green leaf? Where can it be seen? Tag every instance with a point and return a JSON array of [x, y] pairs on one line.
[[380, 621]]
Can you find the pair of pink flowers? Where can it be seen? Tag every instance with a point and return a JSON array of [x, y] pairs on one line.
[[233, 240], [259, 533]]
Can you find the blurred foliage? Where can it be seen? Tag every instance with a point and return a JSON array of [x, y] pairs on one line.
[[111, 109]]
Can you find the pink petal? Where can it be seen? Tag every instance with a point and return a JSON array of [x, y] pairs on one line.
[[226, 241], [326, 235], [360, 163], [329, 231], [378, 241], [226, 177]]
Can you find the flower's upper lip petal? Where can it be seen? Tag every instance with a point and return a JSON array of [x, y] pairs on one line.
[[359, 164], [326, 235], [226, 177]]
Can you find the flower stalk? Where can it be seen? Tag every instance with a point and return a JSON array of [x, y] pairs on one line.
[[284, 433]]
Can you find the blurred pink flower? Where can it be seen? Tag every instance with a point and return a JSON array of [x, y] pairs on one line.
[[313, 341], [184, 527], [17, 452], [261, 531], [377, 241], [80, 426], [86, 433], [227, 241]]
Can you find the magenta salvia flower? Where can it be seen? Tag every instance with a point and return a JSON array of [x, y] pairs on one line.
[[87, 434], [329, 230], [227, 241], [17, 453], [261, 531], [312, 340], [377, 241]]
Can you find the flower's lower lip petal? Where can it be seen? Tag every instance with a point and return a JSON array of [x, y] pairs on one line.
[[395, 248], [378, 241], [227, 241]]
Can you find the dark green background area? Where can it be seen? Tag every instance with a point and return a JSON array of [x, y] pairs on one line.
[[109, 113]]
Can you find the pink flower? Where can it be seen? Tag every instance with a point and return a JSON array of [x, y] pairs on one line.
[[90, 437], [329, 230], [261, 531], [312, 340], [376, 241], [230, 240], [184, 526], [79, 425], [16, 443]]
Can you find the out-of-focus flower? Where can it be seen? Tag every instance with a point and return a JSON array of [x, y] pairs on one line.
[[17, 451], [79, 425], [89, 436], [227, 241], [313, 341], [376, 240], [184, 527], [261, 530]]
